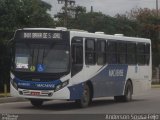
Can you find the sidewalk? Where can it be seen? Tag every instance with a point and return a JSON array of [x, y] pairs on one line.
[[156, 86], [9, 99]]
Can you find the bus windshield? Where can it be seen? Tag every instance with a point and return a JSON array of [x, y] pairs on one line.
[[46, 58]]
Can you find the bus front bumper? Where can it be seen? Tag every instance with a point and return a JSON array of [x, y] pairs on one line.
[[63, 93]]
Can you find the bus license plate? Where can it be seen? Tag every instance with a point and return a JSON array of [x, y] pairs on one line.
[[35, 93]]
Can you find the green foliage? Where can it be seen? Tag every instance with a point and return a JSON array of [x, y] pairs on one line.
[[16, 14], [96, 21], [33, 14], [73, 14]]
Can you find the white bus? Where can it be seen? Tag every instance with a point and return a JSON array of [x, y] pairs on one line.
[[77, 65]]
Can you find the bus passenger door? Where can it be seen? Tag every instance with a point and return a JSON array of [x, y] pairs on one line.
[[77, 56]]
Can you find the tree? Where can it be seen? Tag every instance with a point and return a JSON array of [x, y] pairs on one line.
[[33, 13], [96, 21], [126, 26], [16, 14], [150, 28], [73, 12]]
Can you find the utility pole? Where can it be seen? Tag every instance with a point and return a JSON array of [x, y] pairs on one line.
[[66, 3], [91, 9], [157, 9]]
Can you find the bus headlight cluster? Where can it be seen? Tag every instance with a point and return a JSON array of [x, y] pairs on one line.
[[62, 85], [13, 82], [12, 76], [15, 85]]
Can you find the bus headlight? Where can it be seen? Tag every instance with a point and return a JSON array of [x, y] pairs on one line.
[[58, 87], [62, 85], [13, 82], [12, 76], [65, 83], [15, 85]]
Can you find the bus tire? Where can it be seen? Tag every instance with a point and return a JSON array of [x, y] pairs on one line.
[[128, 92], [86, 97], [36, 103], [118, 98], [127, 97]]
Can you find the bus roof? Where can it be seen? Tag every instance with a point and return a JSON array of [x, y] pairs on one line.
[[57, 28], [109, 37], [82, 33]]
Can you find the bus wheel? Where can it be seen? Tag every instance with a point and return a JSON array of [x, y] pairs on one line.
[[128, 92], [36, 103], [118, 98], [127, 97], [85, 99]]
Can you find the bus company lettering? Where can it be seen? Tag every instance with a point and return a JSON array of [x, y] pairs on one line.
[[45, 85], [116, 73]]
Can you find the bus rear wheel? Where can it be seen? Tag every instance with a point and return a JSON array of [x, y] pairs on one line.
[[36, 103], [127, 97], [85, 99]]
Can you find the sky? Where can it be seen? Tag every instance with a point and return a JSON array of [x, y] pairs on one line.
[[108, 7]]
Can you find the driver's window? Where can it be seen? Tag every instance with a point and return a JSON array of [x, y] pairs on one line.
[[77, 55]]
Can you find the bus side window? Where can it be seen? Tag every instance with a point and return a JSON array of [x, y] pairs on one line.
[[90, 52], [141, 53], [112, 52], [147, 53], [121, 50], [131, 53], [77, 54], [101, 52]]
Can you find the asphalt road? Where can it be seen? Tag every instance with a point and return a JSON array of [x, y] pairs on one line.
[[144, 104]]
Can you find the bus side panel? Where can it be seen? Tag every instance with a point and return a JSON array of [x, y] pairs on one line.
[[110, 81], [141, 80]]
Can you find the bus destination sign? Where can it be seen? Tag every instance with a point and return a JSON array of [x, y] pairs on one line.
[[41, 35]]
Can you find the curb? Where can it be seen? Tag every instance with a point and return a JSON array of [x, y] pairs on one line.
[[11, 99], [155, 86]]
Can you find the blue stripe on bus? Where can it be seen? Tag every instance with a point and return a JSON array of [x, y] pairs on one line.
[[26, 84], [110, 81], [76, 91]]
